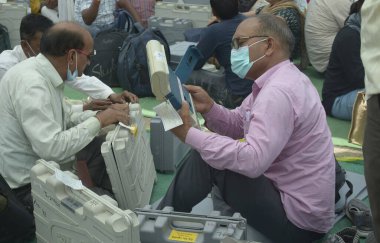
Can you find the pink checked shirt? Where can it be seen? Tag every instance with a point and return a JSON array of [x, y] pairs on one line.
[[286, 139]]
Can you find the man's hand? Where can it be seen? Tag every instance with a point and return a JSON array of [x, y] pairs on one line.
[[124, 97], [201, 99], [114, 114], [181, 131], [97, 104]]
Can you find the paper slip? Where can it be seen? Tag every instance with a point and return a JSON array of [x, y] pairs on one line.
[[68, 181], [169, 116]]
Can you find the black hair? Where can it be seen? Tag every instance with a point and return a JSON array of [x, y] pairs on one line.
[[33, 23], [57, 42], [271, 25], [356, 6], [225, 9]]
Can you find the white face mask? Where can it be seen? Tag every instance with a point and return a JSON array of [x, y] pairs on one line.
[[240, 63], [69, 75], [30, 48]]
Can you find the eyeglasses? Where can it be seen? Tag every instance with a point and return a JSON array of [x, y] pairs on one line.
[[238, 41], [88, 55]]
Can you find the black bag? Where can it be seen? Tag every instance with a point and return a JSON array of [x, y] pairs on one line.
[[107, 45], [133, 73], [5, 43], [16, 223], [340, 180]]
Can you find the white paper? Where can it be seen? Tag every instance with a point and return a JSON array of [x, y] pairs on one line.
[[169, 116], [68, 181]]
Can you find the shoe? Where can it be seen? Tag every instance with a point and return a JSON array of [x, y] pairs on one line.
[[347, 235], [360, 215], [371, 238]]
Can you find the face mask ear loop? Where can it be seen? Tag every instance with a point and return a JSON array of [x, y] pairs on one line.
[[30, 48]]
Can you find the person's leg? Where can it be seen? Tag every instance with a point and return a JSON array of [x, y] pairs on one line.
[[371, 152], [342, 107], [91, 158], [191, 184], [258, 200], [260, 203]]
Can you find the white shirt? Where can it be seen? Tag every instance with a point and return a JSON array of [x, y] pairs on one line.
[[105, 13], [324, 18], [370, 50], [91, 86], [35, 120]]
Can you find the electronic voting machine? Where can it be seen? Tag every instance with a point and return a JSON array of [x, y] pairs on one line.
[[168, 84]]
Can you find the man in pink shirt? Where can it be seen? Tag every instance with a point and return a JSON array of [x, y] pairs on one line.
[[281, 175]]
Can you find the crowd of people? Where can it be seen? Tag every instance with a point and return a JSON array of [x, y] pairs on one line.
[[269, 133]]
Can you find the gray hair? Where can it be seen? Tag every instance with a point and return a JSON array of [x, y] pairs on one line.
[[271, 25]]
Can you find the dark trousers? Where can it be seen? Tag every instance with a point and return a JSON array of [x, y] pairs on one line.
[[371, 152], [256, 199], [96, 166]]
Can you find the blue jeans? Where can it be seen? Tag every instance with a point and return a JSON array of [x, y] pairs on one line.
[[342, 107]]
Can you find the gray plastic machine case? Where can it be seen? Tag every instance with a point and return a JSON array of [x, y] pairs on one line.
[[198, 11], [168, 151], [171, 28], [63, 214], [129, 162], [168, 226]]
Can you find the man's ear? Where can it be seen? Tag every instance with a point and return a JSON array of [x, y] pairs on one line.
[[271, 46], [71, 56]]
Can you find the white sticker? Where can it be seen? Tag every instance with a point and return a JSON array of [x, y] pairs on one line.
[[169, 116], [68, 181], [159, 56]]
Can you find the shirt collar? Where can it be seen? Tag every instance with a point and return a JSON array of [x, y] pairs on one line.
[[48, 70], [260, 81]]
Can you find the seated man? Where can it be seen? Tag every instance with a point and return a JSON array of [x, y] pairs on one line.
[[344, 76], [215, 40], [98, 15], [281, 176], [324, 18], [36, 122], [31, 29]]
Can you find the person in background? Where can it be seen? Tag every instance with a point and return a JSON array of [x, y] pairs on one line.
[[324, 18], [215, 41], [145, 9], [344, 76], [370, 54], [266, 155], [295, 19], [32, 28], [98, 15]]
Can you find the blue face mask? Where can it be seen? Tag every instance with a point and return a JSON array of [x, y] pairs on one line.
[[240, 63], [72, 76]]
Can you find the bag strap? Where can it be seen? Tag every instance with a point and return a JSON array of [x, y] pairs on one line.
[[348, 194], [123, 20]]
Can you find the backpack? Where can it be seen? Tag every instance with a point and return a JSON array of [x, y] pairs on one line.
[[340, 180], [103, 65], [132, 71], [5, 43]]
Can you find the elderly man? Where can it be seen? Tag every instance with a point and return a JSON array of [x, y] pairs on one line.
[[271, 158], [31, 29], [36, 122]]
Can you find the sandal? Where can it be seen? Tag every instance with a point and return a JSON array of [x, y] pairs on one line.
[[360, 215], [346, 235]]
